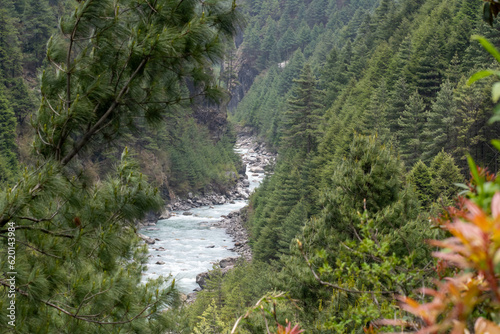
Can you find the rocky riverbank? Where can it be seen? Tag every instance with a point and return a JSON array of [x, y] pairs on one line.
[[256, 160]]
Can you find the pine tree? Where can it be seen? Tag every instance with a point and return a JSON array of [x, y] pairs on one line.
[[37, 28], [302, 118], [421, 177], [411, 124], [440, 132], [376, 115], [79, 259], [428, 70], [445, 175], [10, 52], [400, 97], [8, 156], [367, 224]]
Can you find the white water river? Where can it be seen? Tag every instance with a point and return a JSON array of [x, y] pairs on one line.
[[186, 241]]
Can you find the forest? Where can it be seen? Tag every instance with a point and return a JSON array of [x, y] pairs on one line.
[[381, 213]]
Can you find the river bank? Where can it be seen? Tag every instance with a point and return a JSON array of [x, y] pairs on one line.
[[201, 231]]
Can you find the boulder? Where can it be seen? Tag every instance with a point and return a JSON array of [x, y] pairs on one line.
[[228, 262], [257, 169], [201, 279], [187, 213], [160, 262], [148, 240], [164, 215]]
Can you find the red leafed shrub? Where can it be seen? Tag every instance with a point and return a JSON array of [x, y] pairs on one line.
[[472, 295]]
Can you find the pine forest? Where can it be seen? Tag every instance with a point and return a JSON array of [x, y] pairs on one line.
[[249, 166]]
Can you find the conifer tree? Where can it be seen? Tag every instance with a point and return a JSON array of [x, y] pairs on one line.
[[411, 124], [376, 115], [8, 156], [440, 132], [446, 175], [400, 96], [428, 70], [10, 52], [302, 118], [421, 177], [367, 208], [37, 18], [112, 63]]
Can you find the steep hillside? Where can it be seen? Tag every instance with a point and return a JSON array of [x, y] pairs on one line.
[[177, 154], [368, 107]]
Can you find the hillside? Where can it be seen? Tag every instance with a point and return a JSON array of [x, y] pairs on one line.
[[368, 107]]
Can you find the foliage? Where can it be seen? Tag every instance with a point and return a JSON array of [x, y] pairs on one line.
[[113, 64]]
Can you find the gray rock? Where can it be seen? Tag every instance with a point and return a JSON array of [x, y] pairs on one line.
[[257, 169], [160, 262], [164, 215], [228, 262], [201, 279], [187, 213], [148, 240]]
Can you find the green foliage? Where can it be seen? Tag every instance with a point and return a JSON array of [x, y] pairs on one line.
[[8, 156], [230, 294], [368, 227], [209, 322], [411, 125], [114, 66], [301, 120]]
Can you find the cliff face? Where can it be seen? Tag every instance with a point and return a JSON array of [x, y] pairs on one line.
[[214, 117], [246, 74]]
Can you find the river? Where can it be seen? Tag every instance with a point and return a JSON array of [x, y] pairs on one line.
[[189, 245]]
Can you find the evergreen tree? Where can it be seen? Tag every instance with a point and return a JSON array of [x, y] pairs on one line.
[[368, 208], [79, 259], [445, 175], [440, 132], [10, 52], [400, 97], [411, 123], [376, 115], [37, 28], [8, 156], [428, 70], [302, 117], [421, 177]]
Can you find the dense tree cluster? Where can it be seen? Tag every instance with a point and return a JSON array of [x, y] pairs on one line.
[[392, 124], [113, 68]]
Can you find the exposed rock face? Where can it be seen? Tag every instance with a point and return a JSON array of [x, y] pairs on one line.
[[246, 75], [201, 279]]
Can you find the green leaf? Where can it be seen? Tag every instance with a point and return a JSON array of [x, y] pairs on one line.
[[487, 15], [473, 170], [496, 115], [495, 92], [480, 75], [488, 46], [461, 185], [496, 143]]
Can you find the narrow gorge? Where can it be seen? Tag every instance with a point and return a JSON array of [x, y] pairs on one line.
[[196, 233]]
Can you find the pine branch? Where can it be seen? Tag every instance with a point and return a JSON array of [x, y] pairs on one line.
[[86, 138], [83, 317], [337, 287]]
